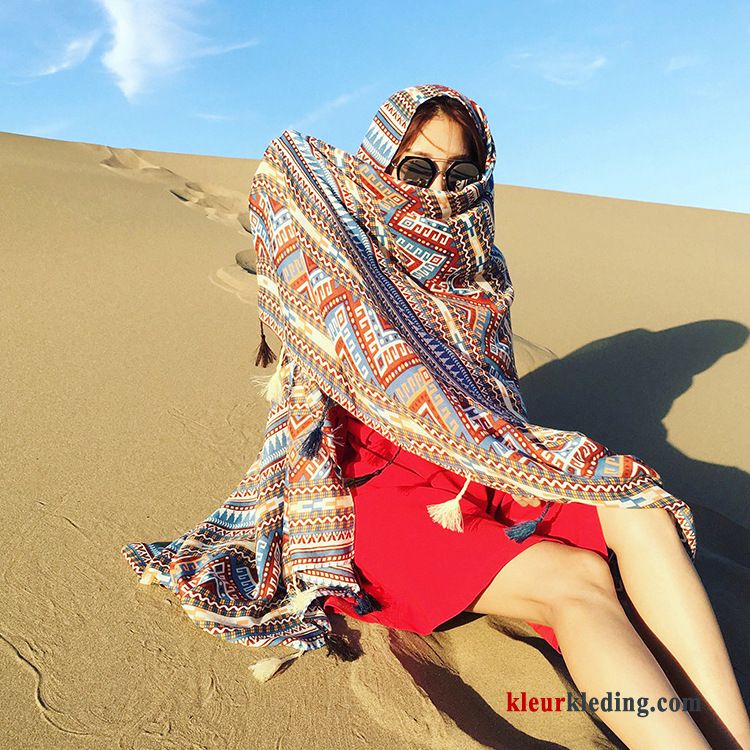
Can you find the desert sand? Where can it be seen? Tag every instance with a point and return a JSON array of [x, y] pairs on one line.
[[129, 412]]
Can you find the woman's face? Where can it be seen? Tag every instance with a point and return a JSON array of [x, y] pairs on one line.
[[441, 139]]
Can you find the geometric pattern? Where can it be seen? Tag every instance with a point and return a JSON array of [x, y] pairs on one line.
[[393, 301]]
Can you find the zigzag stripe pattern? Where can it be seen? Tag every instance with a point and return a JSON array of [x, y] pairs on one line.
[[394, 302]]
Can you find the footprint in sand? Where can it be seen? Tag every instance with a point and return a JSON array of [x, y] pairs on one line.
[[228, 207], [236, 280]]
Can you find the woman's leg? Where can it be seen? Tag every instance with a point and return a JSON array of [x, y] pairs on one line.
[[572, 591], [661, 582]]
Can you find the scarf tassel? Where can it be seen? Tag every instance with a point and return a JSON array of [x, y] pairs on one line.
[[148, 576], [366, 603], [340, 647], [448, 513], [264, 354], [311, 444], [360, 480], [301, 600], [265, 669], [524, 529], [337, 645], [273, 390]]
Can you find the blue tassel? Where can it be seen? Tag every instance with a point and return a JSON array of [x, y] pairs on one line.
[[524, 529], [365, 603], [340, 647], [311, 444]]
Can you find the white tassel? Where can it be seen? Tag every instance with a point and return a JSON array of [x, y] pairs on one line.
[[262, 382], [448, 514], [297, 604], [148, 576], [265, 669], [301, 600], [271, 388], [272, 391]]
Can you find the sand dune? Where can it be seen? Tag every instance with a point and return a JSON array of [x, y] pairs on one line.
[[129, 411]]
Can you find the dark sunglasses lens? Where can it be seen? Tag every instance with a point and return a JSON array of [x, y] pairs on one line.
[[416, 171], [461, 174]]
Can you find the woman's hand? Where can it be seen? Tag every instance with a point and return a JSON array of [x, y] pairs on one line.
[[521, 500]]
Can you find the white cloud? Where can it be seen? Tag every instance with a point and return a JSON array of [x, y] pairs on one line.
[[680, 62], [329, 106], [152, 38], [228, 48], [711, 90], [563, 69], [74, 54], [211, 116]]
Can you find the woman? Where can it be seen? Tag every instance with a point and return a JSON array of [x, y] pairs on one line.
[[379, 274], [578, 607]]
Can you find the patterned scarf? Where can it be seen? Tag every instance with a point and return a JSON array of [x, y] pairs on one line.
[[392, 301]]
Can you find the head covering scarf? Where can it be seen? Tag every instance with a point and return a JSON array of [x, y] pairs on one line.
[[394, 302]]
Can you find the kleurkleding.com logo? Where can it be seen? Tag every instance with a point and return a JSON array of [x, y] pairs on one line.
[[641, 706]]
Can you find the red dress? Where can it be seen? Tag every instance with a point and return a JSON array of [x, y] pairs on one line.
[[422, 574]]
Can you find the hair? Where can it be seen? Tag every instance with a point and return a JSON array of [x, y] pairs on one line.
[[453, 108]]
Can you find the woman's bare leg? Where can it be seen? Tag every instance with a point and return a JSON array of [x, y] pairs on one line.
[[601, 649], [665, 589]]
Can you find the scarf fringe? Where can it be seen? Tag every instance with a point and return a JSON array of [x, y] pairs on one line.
[[337, 644], [300, 601], [448, 514], [360, 480], [148, 576], [264, 353], [524, 529], [366, 603], [340, 647], [272, 391], [311, 444], [272, 387], [265, 669]]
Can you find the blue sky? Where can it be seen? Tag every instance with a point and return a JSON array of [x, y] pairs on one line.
[[641, 100]]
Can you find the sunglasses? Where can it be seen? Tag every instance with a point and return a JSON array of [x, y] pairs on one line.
[[421, 171]]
